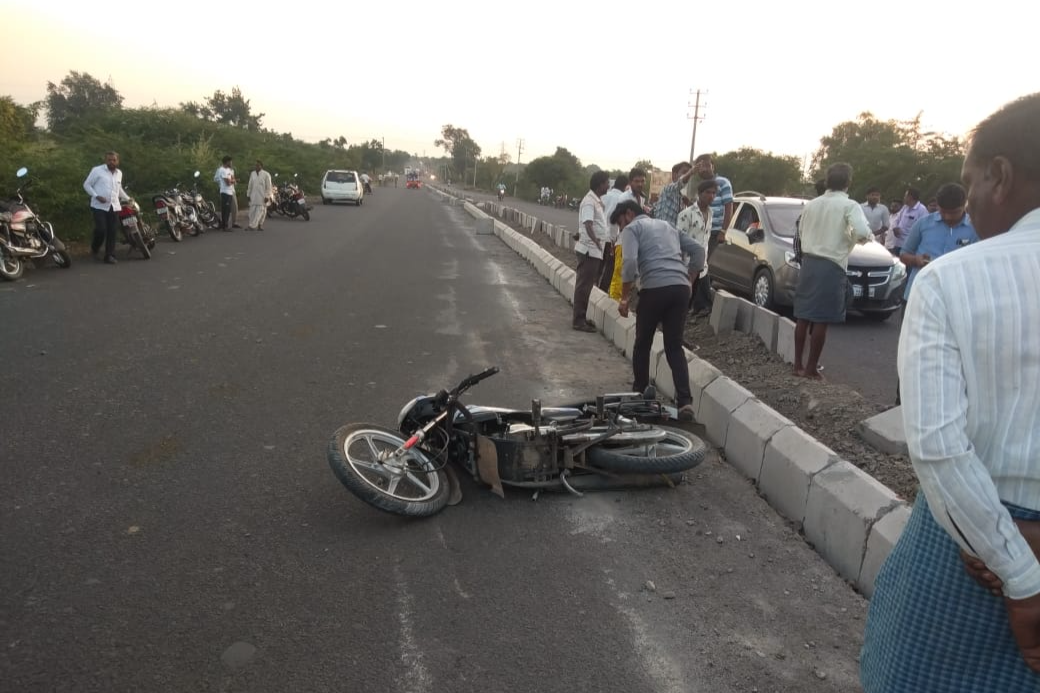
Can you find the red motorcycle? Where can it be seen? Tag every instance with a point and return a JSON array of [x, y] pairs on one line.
[[136, 233]]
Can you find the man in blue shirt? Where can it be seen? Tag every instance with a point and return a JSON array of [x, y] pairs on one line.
[[938, 233]]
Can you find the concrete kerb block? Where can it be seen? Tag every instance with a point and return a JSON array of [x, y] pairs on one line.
[[745, 315], [702, 374], [724, 312], [764, 325], [599, 304], [844, 503], [610, 320], [621, 331], [751, 428], [656, 352], [663, 379], [785, 339], [718, 402], [485, 226], [885, 432], [630, 341], [792, 458], [883, 537], [567, 287]]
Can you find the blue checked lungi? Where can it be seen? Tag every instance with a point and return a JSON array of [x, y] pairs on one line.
[[931, 628]]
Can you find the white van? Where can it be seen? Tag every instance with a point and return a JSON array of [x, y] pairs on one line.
[[342, 186]]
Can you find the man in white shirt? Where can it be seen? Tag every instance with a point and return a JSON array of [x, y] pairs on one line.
[[259, 192], [911, 212], [592, 235], [696, 220], [104, 184], [225, 175], [969, 361], [830, 227], [610, 201], [876, 213]]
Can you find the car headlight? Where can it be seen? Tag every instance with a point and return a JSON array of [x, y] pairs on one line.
[[898, 271], [789, 259]]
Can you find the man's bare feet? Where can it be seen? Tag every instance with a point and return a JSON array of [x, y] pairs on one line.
[[798, 372]]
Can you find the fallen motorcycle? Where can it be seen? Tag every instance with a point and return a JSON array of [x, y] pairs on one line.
[[598, 445], [24, 236]]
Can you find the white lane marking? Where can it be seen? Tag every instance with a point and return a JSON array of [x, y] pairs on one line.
[[414, 678]]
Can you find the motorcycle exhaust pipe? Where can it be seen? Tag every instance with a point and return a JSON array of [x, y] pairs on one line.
[[20, 252]]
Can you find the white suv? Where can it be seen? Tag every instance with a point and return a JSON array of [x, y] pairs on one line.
[[342, 186]]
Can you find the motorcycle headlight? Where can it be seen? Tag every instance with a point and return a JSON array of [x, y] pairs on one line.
[[789, 259], [405, 409]]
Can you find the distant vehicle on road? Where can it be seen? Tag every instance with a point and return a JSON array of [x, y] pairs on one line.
[[342, 186]]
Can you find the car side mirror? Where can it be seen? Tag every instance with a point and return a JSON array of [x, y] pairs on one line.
[[756, 235]]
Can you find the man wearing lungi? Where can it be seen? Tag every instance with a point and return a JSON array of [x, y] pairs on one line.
[[956, 606], [831, 225]]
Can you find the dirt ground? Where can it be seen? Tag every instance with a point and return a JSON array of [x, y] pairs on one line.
[[828, 411]]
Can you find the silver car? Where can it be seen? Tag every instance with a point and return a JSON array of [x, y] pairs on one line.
[[757, 259]]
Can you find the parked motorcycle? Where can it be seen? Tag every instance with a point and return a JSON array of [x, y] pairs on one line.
[[586, 446], [289, 200], [24, 236], [176, 217], [136, 233], [205, 211]]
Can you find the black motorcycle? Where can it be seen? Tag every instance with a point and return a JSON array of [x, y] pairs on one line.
[[24, 236], [615, 441]]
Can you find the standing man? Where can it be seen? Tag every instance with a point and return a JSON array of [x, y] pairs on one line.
[[722, 212], [592, 236], [610, 201], [877, 214], [653, 251], [670, 201], [956, 605], [695, 222], [636, 189], [104, 184], [225, 175], [831, 225], [259, 192], [911, 212]]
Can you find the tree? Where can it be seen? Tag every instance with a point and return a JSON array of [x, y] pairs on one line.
[[17, 122], [230, 109], [459, 146], [77, 96], [645, 165], [891, 155], [563, 172], [765, 172]]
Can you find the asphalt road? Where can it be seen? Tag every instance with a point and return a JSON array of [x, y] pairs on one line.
[[861, 353], [169, 521]]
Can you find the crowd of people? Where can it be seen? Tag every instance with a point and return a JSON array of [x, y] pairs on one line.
[[956, 606]]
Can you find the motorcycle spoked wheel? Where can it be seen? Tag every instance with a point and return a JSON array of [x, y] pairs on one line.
[[174, 231], [676, 452], [417, 489], [306, 215], [11, 268], [137, 241], [193, 229], [61, 258]]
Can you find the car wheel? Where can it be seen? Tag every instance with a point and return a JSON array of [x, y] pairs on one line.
[[762, 289], [324, 201]]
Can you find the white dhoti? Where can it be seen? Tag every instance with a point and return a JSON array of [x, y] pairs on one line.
[[259, 192]]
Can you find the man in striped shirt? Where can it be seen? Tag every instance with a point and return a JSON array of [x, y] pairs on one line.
[[969, 362]]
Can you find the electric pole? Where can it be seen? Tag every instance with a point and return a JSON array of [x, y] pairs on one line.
[[519, 151], [696, 117], [382, 146]]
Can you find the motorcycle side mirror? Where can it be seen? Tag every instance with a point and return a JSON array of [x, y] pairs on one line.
[[20, 173], [196, 174], [296, 175]]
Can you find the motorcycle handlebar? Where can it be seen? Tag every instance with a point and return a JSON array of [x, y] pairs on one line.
[[474, 379]]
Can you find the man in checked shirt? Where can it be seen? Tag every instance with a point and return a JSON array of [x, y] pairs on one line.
[[956, 606]]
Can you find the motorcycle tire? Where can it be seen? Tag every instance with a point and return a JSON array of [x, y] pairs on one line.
[[684, 451], [174, 231], [11, 268], [61, 258], [137, 241], [375, 488], [306, 215], [193, 230]]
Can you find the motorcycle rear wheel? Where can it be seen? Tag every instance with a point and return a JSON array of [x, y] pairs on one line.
[[174, 231], [354, 454], [677, 452], [306, 215], [11, 268], [61, 258]]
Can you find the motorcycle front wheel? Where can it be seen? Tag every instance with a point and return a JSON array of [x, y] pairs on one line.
[[137, 241], [676, 452], [174, 231], [411, 486], [61, 258], [306, 215], [11, 268]]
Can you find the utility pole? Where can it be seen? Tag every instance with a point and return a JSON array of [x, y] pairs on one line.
[[696, 117], [519, 151], [382, 146]]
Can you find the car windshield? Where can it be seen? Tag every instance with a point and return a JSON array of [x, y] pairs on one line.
[[782, 218], [341, 177]]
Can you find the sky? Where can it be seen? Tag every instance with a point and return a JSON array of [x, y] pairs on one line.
[[612, 84]]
